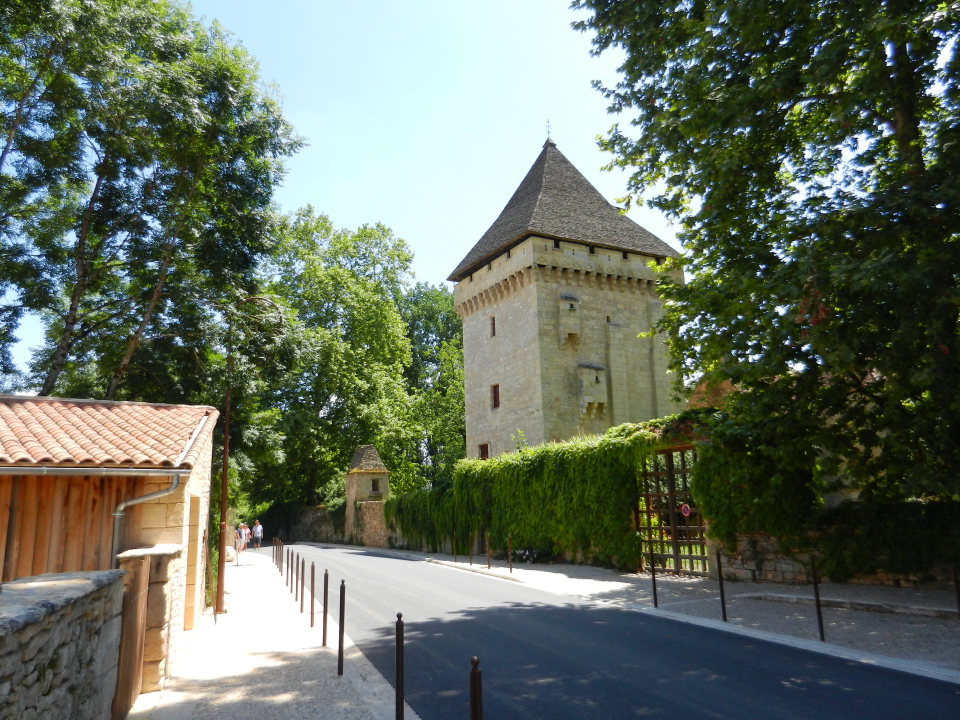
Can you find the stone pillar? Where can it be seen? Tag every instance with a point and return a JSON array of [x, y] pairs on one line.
[[165, 609]]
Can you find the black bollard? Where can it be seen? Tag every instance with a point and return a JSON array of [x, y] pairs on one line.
[[510, 552], [312, 579], [398, 682], [326, 585], [343, 610], [956, 587], [723, 599], [653, 576], [470, 546], [488, 551], [476, 692], [296, 577], [816, 595], [303, 581], [454, 545]]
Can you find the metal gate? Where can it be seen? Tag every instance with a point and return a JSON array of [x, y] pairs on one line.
[[669, 523], [133, 626]]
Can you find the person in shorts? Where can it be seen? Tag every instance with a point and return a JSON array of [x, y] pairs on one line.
[[257, 534]]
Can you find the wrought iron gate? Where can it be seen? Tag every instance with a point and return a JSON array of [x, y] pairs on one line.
[[669, 523]]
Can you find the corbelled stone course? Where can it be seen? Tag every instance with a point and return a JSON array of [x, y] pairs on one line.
[[59, 645]]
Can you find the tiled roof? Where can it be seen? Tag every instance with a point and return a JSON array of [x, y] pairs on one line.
[[80, 433], [366, 459], [556, 201]]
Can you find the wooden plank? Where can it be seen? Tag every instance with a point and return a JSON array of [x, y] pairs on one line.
[[74, 524], [12, 555], [6, 495], [44, 518], [105, 555], [58, 525], [91, 531], [28, 526]]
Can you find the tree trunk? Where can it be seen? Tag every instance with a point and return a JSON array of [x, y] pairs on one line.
[[79, 288], [134, 340]]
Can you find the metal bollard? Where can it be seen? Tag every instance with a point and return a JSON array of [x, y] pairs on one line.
[[296, 577], [398, 681], [653, 576], [956, 586], [476, 692], [312, 579], [343, 609], [454, 545], [488, 551], [510, 552], [816, 595], [723, 599], [470, 546], [303, 581], [326, 585], [287, 575]]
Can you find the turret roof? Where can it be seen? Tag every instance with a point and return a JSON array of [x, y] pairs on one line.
[[366, 459], [555, 200]]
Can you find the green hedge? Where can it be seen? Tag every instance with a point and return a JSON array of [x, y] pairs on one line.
[[575, 496]]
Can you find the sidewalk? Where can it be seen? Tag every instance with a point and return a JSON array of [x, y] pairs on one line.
[[262, 660], [914, 625]]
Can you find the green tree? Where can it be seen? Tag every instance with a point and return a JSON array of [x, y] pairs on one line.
[[151, 181], [347, 388], [811, 152], [435, 377]]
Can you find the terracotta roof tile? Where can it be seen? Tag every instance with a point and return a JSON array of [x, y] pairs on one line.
[[70, 433]]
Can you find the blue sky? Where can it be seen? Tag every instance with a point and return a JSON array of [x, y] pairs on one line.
[[424, 115]]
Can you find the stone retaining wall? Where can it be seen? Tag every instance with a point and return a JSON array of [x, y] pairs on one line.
[[59, 645], [758, 559], [369, 527]]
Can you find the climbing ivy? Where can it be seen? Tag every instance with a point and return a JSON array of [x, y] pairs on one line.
[[574, 497]]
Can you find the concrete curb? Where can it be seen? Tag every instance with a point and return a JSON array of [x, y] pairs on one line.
[[922, 669], [887, 608], [479, 571]]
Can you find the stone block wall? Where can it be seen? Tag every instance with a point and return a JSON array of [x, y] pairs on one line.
[[179, 519], [59, 645], [758, 559], [369, 527], [166, 602]]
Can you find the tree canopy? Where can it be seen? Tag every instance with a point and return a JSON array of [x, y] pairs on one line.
[[810, 152], [140, 155]]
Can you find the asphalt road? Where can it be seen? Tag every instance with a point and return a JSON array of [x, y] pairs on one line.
[[546, 656]]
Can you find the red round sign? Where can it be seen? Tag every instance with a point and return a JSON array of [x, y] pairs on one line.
[[685, 510]]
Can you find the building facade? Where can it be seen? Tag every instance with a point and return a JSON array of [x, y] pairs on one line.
[[552, 299]]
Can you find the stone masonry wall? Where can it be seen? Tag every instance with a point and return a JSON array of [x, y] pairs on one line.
[[758, 559], [369, 527], [538, 367], [59, 645]]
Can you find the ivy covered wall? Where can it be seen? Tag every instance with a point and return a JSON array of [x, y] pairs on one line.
[[575, 497]]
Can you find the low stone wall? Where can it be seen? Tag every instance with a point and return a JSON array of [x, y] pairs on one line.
[[369, 527], [59, 645], [165, 609], [758, 559]]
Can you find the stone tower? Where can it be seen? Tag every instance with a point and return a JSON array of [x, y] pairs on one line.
[[552, 299]]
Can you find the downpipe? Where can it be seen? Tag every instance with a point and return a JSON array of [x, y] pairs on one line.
[[174, 486]]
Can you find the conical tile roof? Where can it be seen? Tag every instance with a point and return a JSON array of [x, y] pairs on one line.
[[556, 201], [366, 459]]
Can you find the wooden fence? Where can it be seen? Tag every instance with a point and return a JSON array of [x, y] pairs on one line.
[[52, 524]]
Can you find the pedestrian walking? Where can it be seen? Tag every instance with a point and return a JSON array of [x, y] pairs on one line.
[[257, 534], [238, 540]]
